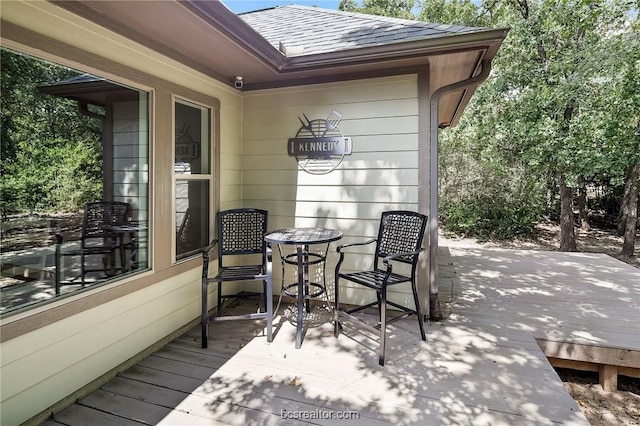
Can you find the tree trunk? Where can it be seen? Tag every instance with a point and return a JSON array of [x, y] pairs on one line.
[[583, 207], [567, 230], [628, 245], [625, 204]]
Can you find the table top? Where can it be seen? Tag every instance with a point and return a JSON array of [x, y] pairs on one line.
[[131, 226], [303, 236]]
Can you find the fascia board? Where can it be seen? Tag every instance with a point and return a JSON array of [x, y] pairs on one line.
[[426, 47], [233, 27]]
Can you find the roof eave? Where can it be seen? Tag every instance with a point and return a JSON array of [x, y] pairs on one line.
[[227, 22], [234, 27]]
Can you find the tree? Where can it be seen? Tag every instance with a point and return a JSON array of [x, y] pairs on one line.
[[391, 8], [560, 110], [615, 118], [541, 109], [455, 12], [51, 153], [631, 219]]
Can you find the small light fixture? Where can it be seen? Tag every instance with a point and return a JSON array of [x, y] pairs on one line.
[[239, 84]]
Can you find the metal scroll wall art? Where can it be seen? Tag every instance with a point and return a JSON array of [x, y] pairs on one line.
[[319, 145]]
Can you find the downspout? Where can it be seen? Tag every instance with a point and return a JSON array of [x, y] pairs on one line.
[[435, 314]]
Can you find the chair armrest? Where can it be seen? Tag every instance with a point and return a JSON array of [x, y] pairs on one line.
[[210, 247], [391, 257], [205, 259], [363, 243]]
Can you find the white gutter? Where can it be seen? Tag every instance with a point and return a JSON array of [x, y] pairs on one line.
[[435, 313]]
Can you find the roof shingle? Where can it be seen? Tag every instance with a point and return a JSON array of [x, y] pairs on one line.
[[311, 30]]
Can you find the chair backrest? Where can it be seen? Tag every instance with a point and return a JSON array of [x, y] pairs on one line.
[[401, 231], [101, 213], [241, 231]]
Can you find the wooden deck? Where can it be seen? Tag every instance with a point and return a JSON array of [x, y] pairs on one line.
[[482, 365]]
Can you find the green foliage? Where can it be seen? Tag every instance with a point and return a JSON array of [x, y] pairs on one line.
[[455, 12], [562, 100], [392, 8], [51, 153], [481, 195]]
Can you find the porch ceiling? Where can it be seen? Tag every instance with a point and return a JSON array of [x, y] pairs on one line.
[[213, 40]]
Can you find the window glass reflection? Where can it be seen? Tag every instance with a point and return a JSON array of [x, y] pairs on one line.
[[193, 177], [73, 183]]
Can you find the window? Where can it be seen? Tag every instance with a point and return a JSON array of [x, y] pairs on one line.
[[193, 177], [73, 177]]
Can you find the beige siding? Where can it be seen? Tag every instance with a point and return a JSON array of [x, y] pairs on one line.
[[43, 366], [381, 117], [55, 358]]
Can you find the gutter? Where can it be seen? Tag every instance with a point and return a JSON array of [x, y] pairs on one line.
[[435, 314], [443, 45]]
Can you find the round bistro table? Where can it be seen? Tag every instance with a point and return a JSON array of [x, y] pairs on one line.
[[302, 238]]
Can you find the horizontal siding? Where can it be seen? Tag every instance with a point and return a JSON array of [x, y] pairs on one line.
[[335, 178], [45, 365], [372, 143], [334, 194], [381, 117], [367, 126]]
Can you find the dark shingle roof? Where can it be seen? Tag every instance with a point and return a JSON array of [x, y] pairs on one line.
[[310, 30]]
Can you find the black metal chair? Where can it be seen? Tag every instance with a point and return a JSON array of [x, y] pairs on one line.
[[240, 232], [97, 240], [399, 241]]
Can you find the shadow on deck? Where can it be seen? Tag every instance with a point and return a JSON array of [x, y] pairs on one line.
[[481, 365]]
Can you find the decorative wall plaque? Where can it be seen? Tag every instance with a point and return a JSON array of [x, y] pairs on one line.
[[319, 145]]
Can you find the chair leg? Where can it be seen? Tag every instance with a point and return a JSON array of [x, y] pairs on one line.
[[219, 308], [123, 256], [336, 310], [268, 296], [264, 291], [382, 298], [82, 269], [418, 310], [58, 273], [205, 313]]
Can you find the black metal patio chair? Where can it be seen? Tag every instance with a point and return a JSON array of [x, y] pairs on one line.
[[399, 240], [97, 239], [240, 235]]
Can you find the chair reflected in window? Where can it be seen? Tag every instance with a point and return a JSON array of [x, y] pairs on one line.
[[185, 242], [98, 243], [243, 255], [399, 242]]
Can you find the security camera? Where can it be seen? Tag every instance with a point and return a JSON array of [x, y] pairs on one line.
[[238, 83]]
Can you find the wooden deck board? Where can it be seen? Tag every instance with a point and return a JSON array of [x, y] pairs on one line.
[[482, 365]]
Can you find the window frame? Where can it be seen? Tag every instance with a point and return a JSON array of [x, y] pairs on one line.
[[208, 177], [145, 105], [161, 91]]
